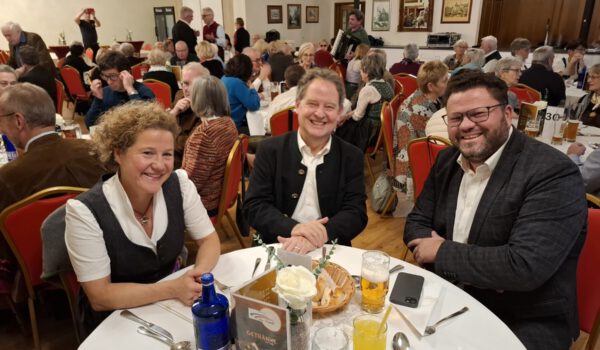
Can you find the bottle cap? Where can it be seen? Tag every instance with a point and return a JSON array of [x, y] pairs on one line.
[[207, 279]]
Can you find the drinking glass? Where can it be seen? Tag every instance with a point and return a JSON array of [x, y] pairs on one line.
[[572, 126], [329, 338], [366, 336], [274, 89], [374, 280]]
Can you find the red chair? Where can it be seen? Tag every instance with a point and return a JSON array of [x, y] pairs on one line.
[[230, 189], [162, 92], [284, 121], [408, 81], [323, 58], [387, 131], [379, 144], [20, 225], [4, 57], [138, 70], [72, 79], [395, 104], [422, 153], [147, 47], [89, 53], [398, 88], [588, 283], [525, 93], [60, 96], [339, 69]]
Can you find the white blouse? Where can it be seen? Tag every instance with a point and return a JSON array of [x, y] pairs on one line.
[[85, 239]]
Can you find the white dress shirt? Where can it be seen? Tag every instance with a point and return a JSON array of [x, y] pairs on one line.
[[308, 204], [471, 189], [85, 239]]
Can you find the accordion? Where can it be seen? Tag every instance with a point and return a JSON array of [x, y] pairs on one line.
[[343, 44]]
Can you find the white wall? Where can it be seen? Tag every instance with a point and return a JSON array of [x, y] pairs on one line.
[[50, 17]]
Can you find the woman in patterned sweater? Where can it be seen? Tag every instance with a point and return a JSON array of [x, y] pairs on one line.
[[207, 148], [414, 114]]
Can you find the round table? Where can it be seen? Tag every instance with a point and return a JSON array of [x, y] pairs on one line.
[[478, 328]]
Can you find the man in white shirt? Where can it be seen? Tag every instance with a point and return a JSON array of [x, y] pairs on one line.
[[286, 99], [307, 187], [503, 216], [489, 45], [212, 31]]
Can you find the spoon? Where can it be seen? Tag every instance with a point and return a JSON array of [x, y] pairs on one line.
[[182, 345], [396, 268], [400, 342], [431, 329], [256, 263]]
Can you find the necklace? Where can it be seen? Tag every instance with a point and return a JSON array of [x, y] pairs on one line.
[[143, 217]]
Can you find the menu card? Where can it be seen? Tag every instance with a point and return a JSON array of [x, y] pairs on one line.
[[260, 323], [527, 111]]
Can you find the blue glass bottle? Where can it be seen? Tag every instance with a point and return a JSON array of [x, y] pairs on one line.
[[211, 317], [581, 77], [11, 151]]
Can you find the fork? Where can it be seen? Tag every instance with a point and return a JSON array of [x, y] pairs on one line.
[[431, 329]]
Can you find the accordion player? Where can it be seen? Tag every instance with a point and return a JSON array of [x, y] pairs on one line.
[[343, 44]]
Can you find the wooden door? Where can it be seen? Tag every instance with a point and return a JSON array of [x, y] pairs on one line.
[[341, 15]]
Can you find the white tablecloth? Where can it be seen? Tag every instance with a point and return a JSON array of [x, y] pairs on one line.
[[478, 329], [573, 95]]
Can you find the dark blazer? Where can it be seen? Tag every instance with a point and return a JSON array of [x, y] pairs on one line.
[[191, 58], [521, 256], [279, 63], [36, 41], [547, 82], [494, 56], [183, 32], [278, 178], [49, 161], [241, 39], [39, 76]]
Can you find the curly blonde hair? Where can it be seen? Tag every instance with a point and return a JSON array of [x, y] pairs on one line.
[[119, 127]]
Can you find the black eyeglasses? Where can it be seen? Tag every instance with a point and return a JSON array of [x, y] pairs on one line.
[[113, 77], [5, 83], [476, 115]]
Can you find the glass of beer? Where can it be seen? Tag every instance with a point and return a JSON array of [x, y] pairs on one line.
[[532, 128], [366, 333], [374, 280], [274, 89], [559, 131]]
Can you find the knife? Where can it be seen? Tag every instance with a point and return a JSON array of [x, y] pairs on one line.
[[157, 329]]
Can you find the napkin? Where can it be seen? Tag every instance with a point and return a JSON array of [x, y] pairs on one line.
[[420, 316]]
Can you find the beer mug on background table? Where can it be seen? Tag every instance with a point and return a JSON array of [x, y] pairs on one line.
[[572, 126], [374, 280]]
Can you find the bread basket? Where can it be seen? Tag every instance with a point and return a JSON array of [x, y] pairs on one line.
[[343, 279]]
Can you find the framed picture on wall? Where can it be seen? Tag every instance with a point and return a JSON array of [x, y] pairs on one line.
[[381, 15], [312, 14], [456, 11], [274, 14], [294, 16], [415, 15]]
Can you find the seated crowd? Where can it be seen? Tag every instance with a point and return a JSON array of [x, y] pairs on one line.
[[155, 175]]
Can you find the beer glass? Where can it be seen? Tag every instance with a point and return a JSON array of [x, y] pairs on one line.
[[366, 336], [374, 280], [559, 130], [572, 126]]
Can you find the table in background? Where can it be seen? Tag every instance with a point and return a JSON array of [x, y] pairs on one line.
[[477, 329], [573, 95]]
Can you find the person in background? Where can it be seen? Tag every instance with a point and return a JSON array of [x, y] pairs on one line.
[[183, 55], [260, 71], [241, 37], [208, 146], [504, 216], [229, 50], [361, 126], [122, 88], [279, 59], [409, 64], [126, 233], [355, 26], [287, 99], [8, 77], [129, 51], [169, 48], [183, 31], [520, 48], [474, 59], [306, 56], [78, 60], [255, 39], [509, 70], [87, 22], [323, 57], [32, 72], [263, 49], [571, 66], [541, 77], [16, 38], [307, 187], [187, 120], [413, 116], [353, 77], [588, 107], [489, 45], [208, 59], [242, 96], [212, 31], [157, 59], [454, 60], [590, 169]]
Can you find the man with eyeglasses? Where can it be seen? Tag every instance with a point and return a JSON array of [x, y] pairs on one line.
[[8, 77], [122, 87], [212, 31], [503, 216], [260, 71]]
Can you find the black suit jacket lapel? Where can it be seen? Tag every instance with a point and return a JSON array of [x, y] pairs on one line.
[[452, 198], [328, 178], [500, 176]]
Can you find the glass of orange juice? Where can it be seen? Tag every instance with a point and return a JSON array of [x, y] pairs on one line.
[[366, 335]]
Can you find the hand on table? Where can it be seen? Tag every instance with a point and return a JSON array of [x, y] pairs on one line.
[[314, 231], [577, 148], [296, 244], [425, 249], [187, 287]]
